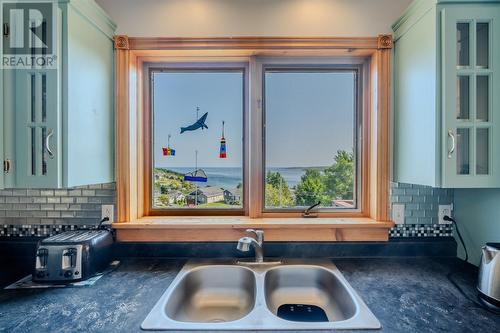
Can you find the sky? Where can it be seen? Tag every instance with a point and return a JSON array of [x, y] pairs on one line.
[[308, 115], [176, 96]]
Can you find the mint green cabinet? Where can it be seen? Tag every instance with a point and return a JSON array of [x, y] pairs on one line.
[[37, 131], [471, 109], [2, 177], [59, 123], [446, 100]]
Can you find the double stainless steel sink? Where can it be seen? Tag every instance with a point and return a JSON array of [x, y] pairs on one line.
[[233, 295]]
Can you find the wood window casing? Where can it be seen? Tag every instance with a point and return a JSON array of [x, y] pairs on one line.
[[133, 160]]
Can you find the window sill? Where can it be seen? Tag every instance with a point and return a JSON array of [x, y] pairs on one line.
[[222, 229]]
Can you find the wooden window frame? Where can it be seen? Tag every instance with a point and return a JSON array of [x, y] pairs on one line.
[[134, 221]]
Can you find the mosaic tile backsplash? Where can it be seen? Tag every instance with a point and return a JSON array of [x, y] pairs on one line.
[[45, 212], [421, 230], [39, 230], [421, 210]]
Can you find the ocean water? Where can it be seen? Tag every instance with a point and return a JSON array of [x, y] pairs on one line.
[[231, 177]]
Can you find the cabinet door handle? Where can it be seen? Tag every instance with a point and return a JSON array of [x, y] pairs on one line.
[[6, 166], [47, 143], [452, 149]]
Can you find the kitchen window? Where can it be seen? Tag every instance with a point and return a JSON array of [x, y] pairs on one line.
[[310, 137], [291, 122]]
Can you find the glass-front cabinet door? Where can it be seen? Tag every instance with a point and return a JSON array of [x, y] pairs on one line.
[[471, 96], [37, 128], [36, 115]]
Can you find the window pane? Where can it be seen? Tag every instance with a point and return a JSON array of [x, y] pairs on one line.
[[44, 151], [33, 151], [482, 151], [198, 139], [463, 44], [463, 155], [482, 97], [483, 47], [310, 135], [33, 98], [44, 97], [463, 97]]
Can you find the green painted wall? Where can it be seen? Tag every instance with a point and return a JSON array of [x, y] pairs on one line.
[[477, 212], [88, 115], [416, 126]]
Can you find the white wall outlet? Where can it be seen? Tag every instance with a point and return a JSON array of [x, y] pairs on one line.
[[442, 211], [398, 213], [108, 211]]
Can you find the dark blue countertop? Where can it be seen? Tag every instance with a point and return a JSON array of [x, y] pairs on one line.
[[406, 294]]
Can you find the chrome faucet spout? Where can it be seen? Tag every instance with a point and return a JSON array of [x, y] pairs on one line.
[[245, 243]]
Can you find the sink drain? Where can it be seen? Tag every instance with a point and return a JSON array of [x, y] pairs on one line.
[[302, 312], [217, 320]]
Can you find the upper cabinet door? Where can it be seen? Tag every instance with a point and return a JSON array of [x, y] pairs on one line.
[[37, 128], [470, 108]]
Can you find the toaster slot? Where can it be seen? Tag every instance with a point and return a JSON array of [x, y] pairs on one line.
[[41, 258], [69, 258]]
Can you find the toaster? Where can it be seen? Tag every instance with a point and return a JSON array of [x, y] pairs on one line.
[[72, 256]]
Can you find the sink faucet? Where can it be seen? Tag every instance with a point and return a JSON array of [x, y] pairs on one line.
[[244, 244]]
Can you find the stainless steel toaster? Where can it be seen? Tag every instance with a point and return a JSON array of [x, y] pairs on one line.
[[72, 256], [489, 276]]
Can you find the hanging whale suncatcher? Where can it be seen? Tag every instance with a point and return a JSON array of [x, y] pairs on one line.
[[200, 123], [222, 152], [167, 151]]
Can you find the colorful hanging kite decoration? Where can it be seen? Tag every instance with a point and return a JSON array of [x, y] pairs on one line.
[[167, 151], [223, 153]]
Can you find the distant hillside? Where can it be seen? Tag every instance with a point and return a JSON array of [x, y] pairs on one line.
[[167, 180], [167, 172]]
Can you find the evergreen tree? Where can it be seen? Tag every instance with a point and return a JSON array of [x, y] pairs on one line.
[[311, 189], [278, 193], [339, 178]]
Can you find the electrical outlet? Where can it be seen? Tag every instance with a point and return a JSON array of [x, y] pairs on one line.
[[398, 213], [108, 211], [442, 211]]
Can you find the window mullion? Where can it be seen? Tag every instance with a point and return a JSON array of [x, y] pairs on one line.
[[255, 183]]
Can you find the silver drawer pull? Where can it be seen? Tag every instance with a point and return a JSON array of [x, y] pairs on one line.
[[452, 149], [47, 143]]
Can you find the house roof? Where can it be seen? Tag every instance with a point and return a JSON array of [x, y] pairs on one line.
[[343, 203], [210, 191], [174, 193], [236, 191]]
